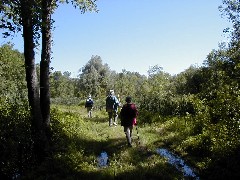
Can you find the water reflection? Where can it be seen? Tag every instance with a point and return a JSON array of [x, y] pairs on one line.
[[177, 162]]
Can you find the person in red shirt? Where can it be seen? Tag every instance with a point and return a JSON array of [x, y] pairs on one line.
[[128, 115]]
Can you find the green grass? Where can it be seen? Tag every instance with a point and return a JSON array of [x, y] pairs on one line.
[[78, 141]]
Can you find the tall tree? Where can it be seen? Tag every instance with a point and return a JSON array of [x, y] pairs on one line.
[[28, 24], [62, 85], [45, 64], [94, 77], [33, 17], [231, 8]]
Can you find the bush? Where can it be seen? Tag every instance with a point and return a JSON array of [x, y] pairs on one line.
[[15, 138], [66, 101]]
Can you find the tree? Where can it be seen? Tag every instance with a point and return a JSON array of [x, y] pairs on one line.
[[160, 92], [128, 83], [231, 8], [33, 18], [47, 8], [12, 77], [154, 70], [62, 86], [94, 77], [45, 64], [29, 21]]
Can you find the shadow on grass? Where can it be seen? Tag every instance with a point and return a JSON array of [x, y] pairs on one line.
[[63, 164], [224, 167]]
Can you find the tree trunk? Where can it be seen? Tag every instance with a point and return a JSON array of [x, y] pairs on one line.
[[38, 134], [45, 63]]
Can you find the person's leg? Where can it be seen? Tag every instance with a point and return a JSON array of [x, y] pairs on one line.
[[130, 132], [127, 131], [110, 114], [90, 113], [115, 115]]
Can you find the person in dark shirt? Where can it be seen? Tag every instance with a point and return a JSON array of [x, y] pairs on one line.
[[128, 115], [112, 105], [89, 105]]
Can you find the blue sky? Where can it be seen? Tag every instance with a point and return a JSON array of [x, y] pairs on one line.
[[136, 34]]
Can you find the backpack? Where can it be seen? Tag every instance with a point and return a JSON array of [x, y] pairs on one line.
[[128, 115], [89, 103], [110, 102]]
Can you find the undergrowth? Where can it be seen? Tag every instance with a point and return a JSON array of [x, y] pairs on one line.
[[78, 141]]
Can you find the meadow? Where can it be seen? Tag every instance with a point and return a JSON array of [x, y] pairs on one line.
[[78, 141]]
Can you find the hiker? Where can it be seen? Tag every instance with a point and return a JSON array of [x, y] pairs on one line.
[[119, 100], [112, 104], [89, 105], [128, 115]]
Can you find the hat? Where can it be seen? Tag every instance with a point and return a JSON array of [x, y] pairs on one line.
[[111, 91]]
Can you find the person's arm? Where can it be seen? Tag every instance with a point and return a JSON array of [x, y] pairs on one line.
[[106, 103], [116, 101]]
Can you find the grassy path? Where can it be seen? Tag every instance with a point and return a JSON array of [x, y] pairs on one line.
[[79, 140]]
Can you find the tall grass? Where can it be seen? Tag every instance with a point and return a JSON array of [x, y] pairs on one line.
[[78, 141]]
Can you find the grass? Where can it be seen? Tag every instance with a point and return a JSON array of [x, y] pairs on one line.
[[78, 141]]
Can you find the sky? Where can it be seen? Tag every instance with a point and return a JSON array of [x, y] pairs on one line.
[[135, 35]]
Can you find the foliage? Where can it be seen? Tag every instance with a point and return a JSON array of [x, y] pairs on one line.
[[15, 138], [94, 77], [195, 114], [11, 17], [66, 101], [12, 76], [78, 141], [128, 83], [190, 81], [34, 19], [201, 126], [230, 8], [62, 86]]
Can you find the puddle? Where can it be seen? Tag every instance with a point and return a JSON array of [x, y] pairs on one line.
[[178, 163], [102, 159]]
